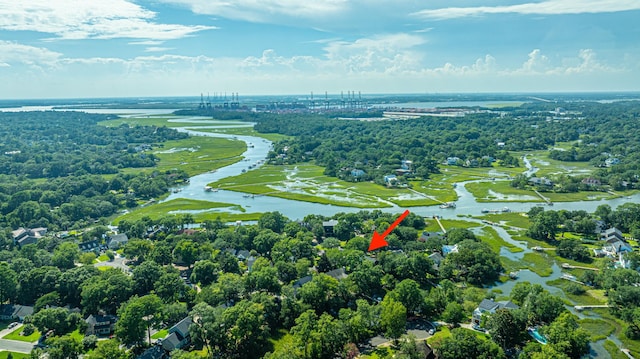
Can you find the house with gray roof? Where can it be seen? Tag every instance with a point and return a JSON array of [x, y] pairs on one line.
[[178, 335], [117, 240], [15, 311], [488, 307]]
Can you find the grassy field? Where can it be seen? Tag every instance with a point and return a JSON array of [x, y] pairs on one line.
[[599, 329], [306, 182], [15, 335], [247, 131], [166, 120], [511, 219], [432, 225], [493, 239], [196, 154], [588, 298], [536, 262], [160, 334], [15, 355], [207, 210], [614, 351]]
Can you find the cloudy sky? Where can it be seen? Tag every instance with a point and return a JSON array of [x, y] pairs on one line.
[[136, 48]]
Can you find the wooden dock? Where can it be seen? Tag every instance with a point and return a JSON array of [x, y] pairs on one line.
[[547, 200]]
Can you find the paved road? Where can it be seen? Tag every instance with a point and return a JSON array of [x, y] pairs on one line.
[[16, 346]]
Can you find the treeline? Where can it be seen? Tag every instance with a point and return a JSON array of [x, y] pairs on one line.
[[76, 201], [51, 167], [52, 144], [292, 285], [605, 135], [379, 147]]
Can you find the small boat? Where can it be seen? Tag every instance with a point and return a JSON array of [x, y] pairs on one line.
[[448, 205], [208, 188]]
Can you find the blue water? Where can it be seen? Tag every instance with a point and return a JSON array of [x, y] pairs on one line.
[[537, 336]]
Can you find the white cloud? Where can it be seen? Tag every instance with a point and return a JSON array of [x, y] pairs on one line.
[[82, 19], [537, 62], [157, 49], [548, 7], [264, 10], [12, 52]]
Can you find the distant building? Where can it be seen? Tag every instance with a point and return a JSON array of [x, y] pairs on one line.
[[390, 180], [15, 311], [452, 161], [178, 335], [488, 307], [611, 233], [591, 182], [101, 325], [23, 236], [357, 173], [328, 226], [541, 181], [90, 246], [117, 240], [446, 249], [337, 273], [425, 236]]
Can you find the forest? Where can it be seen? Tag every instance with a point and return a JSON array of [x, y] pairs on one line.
[[307, 288], [53, 167], [601, 134]]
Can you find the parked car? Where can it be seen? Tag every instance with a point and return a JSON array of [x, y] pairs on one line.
[[13, 325]]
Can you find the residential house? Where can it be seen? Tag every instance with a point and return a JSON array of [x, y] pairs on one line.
[[591, 182], [541, 181], [178, 335], [357, 173], [117, 240], [14, 311], [90, 246], [488, 307], [243, 254], [23, 236], [328, 226], [611, 233], [614, 247], [611, 161], [425, 236], [446, 249], [390, 180], [155, 352], [437, 258], [452, 161], [101, 325], [337, 273]]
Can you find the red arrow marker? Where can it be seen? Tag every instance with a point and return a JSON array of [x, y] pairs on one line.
[[378, 239]]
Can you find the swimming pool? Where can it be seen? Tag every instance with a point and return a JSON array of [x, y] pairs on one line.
[[537, 336]]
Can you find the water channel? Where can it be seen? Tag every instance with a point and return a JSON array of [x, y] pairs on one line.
[[466, 204]]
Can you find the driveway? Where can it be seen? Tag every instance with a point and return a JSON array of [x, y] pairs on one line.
[[14, 345], [118, 262]]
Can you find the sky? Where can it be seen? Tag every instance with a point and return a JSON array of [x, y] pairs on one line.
[[136, 48]]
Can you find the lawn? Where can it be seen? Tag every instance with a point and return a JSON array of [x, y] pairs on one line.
[[15, 335], [103, 258], [432, 225], [15, 355], [160, 334]]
